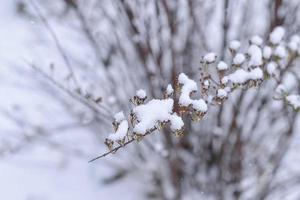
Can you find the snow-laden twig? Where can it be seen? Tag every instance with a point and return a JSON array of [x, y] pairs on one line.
[[249, 69]]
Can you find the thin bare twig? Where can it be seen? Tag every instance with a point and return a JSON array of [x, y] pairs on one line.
[[56, 41], [114, 150]]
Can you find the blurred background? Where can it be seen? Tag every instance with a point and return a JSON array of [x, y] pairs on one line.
[[67, 66]]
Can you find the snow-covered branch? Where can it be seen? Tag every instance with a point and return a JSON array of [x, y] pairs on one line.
[[247, 70]]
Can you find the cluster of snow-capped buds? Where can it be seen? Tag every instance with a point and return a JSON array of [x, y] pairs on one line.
[[121, 127], [209, 58], [222, 95], [248, 69], [196, 107], [259, 61], [205, 84], [139, 97], [292, 100], [168, 93]]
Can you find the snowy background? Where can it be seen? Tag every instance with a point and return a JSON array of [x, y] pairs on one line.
[[38, 172], [44, 150]]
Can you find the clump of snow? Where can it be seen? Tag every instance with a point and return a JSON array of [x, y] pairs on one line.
[[200, 105], [294, 101], [210, 58], [280, 51], [121, 131], [234, 45], [206, 84], [222, 66], [154, 112], [224, 80], [176, 122], [294, 43], [267, 52], [271, 68], [239, 59], [221, 93], [277, 35], [119, 117], [188, 87], [256, 74], [255, 54], [141, 94], [241, 76], [256, 40], [170, 89]]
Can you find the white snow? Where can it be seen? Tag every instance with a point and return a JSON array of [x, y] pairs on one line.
[[267, 52], [141, 94], [238, 59], [241, 76], [154, 112], [221, 93], [271, 68], [280, 51], [222, 66], [188, 87], [294, 43], [210, 58], [119, 117], [256, 74], [176, 122], [224, 80], [294, 101], [200, 105], [121, 131], [277, 35], [170, 89], [255, 54], [256, 40], [38, 170], [234, 45], [206, 84]]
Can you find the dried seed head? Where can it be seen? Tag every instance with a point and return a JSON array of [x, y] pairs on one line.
[[197, 115], [121, 142], [138, 137], [179, 133], [109, 143], [168, 92]]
